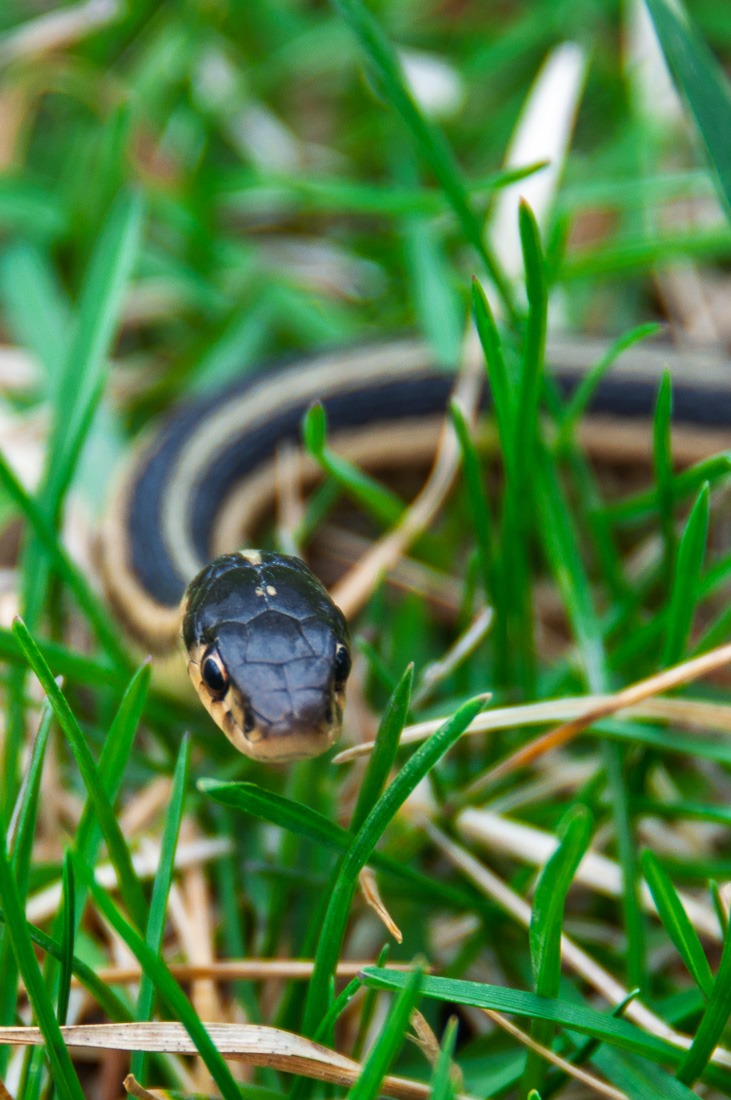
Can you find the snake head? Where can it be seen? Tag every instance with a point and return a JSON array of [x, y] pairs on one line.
[[268, 653]]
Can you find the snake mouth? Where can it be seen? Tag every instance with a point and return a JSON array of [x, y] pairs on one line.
[[297, 743]]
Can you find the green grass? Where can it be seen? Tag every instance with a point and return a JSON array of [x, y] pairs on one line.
[[153, 246]]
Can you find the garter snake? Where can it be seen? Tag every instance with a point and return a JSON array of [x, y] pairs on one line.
[[267, 650]]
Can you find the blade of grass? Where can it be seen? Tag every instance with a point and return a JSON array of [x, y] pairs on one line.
[[663, 456], [79, 669], [591, 1048], [713, 1021], [306, 822], [503, 390], [374, 498], [441, 1084], [388, 1043], [546, 927], [703, 83], [719, 907], [81, 377], [31, 210], [638, 1078], [582, 395], [110, 1003], [64, 1076], [80, 383], [684, 594], [646, 252], [368, 1007], [160, 892], [67, 940], [98, 310], [66, 662], [640, 506], [558, 534], [112, 763], [22, 829], [501, 385], [35, 306], [534, 345], [129, 884], [106, 631], [514, 569], [429, 140], [414, 770], [563, 1013], [325, 1032], [479, 507], [676, 923], [356, 197], [26, 811], [437, 305], [384, 753], [166, 987]]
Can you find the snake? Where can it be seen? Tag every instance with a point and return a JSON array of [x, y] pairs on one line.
[[267, 650]]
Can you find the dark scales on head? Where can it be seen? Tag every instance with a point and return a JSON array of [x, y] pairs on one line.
[[278, 634]]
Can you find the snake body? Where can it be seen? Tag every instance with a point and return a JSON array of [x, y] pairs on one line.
[[194, 491]]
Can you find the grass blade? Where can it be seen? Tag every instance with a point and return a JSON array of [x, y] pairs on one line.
[[386, 747], [429, 140], [98, 310], [68, 920], [577, 1017], [387, 1045], [374, 498], [546, 926], [107, 632], [663, 456], [703, 83], [103, 994], [676, 923], [414, 770], [684, 595], [166, 987], [479, 507], [306, 822], [81, 376], [563, 553], [113, 761], [161, 890], [437, 305], [531, 375], [35, 305], [129, 884], [441, 1079], [64, 1076], [26, 811], [711, 1027], [23, 829], [641, 505], [582, 395], [497, 372], [638, 1078]]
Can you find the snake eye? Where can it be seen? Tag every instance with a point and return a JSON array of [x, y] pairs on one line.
[[214, 674], [342, 664]]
